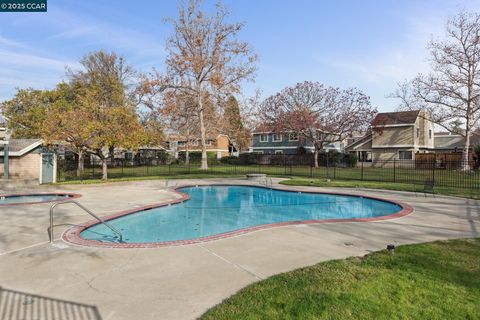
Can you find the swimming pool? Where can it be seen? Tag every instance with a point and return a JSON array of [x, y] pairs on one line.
[[33, 198], [218, 210]]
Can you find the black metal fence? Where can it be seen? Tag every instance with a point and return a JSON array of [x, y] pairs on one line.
[[446, 174]]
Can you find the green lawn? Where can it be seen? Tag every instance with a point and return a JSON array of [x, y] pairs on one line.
[[457, 192], [438, 280], [442, 177]]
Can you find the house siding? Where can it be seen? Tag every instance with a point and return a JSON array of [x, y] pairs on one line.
[[392, 136], [24, 167]]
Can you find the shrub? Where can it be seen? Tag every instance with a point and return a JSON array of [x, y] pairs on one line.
[[230, 160], [196, 156], [351, 160], [247, 158]]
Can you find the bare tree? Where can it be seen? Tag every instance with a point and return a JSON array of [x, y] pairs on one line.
[[205, 59], [451, 92], [317, 113]]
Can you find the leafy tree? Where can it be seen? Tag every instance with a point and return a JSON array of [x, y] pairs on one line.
[[317, 113], [101, 93], [69, 122], [233, 124], [27, 111]]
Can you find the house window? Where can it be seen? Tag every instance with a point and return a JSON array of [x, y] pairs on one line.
[[181, 143], [405, 155], [277, 138], [208, 142], [264, 138], [278, 151], [418, 132], [364, 156], [194, 143], [293, 137], [258, 152], [128, 156], [430, 134]]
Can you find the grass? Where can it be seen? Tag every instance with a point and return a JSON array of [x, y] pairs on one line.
[[442, 177], [457, 192], [437, 280], [406, 179], [140, 178]]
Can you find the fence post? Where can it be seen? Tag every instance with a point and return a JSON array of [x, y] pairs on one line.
[[311, 171], [328, 176], [433, 172], [394, 170], [362, 170]]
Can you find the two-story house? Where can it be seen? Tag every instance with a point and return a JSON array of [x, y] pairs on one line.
[[395, 136], [286, 143], [220, 144]]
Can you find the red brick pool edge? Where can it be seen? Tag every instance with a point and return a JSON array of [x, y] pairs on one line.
[[72, 235]]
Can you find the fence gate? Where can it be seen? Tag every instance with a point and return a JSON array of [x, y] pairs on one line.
[[47, 174]]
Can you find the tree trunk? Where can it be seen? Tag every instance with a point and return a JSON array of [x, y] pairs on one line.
[[187, 152], [204, 165], [315, 157], [80, 164], [104, 168], [465, 158], [111, 154]]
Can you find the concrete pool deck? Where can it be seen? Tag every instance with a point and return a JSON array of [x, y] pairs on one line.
[[182, 282]]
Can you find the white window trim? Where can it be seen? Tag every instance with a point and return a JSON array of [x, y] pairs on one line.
[[275, 140], [278, 152], [263, 141], [290, 137], [398, 153]]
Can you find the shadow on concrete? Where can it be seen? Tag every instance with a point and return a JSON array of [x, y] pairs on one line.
[[16, 305]]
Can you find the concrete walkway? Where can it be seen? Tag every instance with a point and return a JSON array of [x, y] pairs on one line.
[[183, 282]]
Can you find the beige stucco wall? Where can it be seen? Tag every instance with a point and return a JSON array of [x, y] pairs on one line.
[[424, 124], [391, 136], [25, 167], [222, 142], [383, 155]]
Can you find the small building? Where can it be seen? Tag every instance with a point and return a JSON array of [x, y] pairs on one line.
[[287, 143], [27, 159]]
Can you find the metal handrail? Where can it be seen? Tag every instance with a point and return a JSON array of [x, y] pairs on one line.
[[50, 231], [267, 179]]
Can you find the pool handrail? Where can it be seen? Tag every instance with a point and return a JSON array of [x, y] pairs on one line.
[[78, 204]]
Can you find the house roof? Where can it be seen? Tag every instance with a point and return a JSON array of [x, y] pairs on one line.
[[400, 117], [18, 147], [174, 137], [360, 141], [452, 141]]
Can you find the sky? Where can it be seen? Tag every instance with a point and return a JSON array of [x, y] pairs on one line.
[[368, 44]]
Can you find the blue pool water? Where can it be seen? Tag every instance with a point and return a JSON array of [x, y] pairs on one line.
[[13, 199], [217, 209]]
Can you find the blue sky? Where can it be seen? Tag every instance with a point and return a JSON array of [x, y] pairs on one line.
[[369, 44]]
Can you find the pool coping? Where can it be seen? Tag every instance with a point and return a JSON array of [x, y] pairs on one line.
[[72, 235], [70, 197]]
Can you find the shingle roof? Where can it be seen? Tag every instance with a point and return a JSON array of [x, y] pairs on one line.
[[15, 146], [453, 141], [400, 117]]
